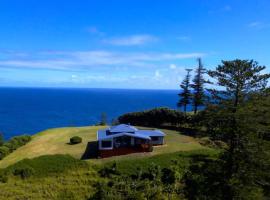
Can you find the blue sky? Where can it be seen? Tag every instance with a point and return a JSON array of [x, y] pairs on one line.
[[125, 43]]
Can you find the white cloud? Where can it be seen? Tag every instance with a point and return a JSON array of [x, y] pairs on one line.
[[84, 60], [172, 66], [131, 40]]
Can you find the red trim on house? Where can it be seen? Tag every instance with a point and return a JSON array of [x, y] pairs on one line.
[[123, 151]]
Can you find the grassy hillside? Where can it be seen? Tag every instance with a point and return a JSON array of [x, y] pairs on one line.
[[55, 141], [70, 181], [63, 177]]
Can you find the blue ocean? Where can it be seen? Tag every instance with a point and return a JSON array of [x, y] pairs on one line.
[[30, 110]]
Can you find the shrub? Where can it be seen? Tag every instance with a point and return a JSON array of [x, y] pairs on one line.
[[24, 172], [153, 118], [4, 151], [13, 144], [75, 140], [3, 177], [17, 141]]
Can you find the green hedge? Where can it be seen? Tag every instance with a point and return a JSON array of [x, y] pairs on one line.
[[153, 118], [13, 144]]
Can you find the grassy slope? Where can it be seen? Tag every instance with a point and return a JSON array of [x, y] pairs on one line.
[[55, 141], [79, 183]]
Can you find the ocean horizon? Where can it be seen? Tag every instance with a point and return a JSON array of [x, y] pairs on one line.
[[25, 110]]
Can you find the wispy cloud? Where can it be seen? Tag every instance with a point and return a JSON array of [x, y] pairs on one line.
[[95, 30], [84, 60], [131, 40], [258, 25]]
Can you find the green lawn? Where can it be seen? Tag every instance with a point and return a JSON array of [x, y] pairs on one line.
[[79, 182], [55, 141]]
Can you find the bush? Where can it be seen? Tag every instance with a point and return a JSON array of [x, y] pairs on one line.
[[3, 177], [13, 144], [75, 140], [4, 151], [24, 172], [153, 118]]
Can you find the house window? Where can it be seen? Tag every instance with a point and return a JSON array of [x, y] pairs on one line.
[[106, 144], [154, 138]]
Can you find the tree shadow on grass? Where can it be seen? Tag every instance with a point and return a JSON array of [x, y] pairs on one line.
[[91, 151]]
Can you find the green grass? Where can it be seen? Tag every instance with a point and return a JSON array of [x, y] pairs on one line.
[[55, 141], [66, 182], [62, 177]]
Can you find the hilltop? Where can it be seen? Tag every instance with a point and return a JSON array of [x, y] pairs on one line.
[[56, 141]]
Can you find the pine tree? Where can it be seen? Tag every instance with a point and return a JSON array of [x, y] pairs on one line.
[[240, 79], [198, 86], [185, 95]]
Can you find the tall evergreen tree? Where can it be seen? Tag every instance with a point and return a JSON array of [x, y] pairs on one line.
[[240, 118], [240, 79], [198, 86], [185, 95]]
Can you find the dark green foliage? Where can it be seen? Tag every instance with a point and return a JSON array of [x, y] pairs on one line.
[[109, 171], [238, 116], [17, 141], [204, 180], [154, 183], [13, 144], [185, 95], [47, 165], [3, 177], [198, 87], [168, 176], [1, 139], [240, 78], [75, 140], [153, 118], [24, 172], [4, 151]]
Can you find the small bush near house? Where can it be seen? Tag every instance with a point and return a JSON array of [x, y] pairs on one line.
[[75, 140]]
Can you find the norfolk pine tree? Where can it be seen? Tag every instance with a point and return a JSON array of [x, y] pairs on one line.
[[198, 97], [185, 95]]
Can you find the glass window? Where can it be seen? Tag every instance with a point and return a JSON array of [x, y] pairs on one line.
[[106, 144], [154, 138]]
